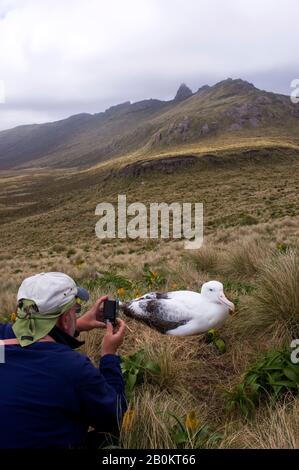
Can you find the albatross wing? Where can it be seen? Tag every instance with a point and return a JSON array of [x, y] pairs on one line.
[[158, 310]]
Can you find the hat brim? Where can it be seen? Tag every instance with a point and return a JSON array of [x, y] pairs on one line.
[[82, 294]]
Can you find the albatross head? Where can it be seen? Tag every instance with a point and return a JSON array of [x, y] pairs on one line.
[[213, 291]]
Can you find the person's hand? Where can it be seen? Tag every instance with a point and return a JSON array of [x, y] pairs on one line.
[[93, 318], [113, 339]]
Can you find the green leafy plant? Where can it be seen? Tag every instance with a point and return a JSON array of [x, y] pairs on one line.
[[212, 336], [243, 398], [188, 431], [282, 247], [269, 378], [134, 368], [152, 279]]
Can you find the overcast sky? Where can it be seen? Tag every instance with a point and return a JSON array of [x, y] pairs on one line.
[[62, 57]]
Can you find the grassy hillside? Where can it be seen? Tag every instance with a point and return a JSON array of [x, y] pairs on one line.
[[221, 114], [250, 193]]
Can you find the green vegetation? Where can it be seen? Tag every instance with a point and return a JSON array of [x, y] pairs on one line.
[[270, 378], [152, 279], [47, 223], [188, 431], [134, 368]]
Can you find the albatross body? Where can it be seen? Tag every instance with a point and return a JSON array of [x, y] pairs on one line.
[[182, 313]]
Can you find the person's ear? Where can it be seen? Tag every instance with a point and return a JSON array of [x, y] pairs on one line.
[[63, 321]]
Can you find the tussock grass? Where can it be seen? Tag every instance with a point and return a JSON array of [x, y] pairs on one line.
[[273, 428], [149, 430], [153, 418], [205, 259], [8, 304], [8, 291], [245, 258], [176, 359], [56, 232], [274, 306]]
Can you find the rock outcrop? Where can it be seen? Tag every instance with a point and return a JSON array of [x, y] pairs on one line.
[[164, 165], [183, 93]]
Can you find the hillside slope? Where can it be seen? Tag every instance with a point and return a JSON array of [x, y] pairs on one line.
[[228, 110], [251, 220]]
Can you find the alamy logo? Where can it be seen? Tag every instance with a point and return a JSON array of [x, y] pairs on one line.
[[295, 92], [295, 353], [159, 220]]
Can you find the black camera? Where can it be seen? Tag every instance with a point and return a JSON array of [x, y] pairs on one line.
[[110, 311]]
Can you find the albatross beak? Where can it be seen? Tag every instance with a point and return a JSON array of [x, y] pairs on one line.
[[226, 302]]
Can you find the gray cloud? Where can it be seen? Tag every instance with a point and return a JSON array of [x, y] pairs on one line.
[[60, 57]]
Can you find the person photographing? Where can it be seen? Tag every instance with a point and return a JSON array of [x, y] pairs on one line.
[[51, 395]]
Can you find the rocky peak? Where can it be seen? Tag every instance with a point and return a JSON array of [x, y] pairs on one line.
[[183, 93], [236, 84], [203, 89]]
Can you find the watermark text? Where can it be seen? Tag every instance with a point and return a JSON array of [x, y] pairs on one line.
[[158, 220]]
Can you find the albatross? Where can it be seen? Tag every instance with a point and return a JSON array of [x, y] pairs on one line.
[[183, 312]]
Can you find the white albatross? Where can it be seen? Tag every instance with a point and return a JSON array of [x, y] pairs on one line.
[[182, 313]]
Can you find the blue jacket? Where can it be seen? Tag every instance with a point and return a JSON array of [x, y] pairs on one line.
[[50, 395]]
